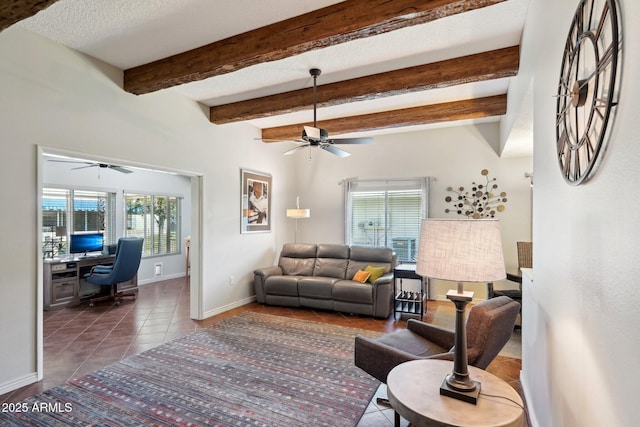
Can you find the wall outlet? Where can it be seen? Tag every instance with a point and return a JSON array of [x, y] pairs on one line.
[[157, 269], [232, 281]]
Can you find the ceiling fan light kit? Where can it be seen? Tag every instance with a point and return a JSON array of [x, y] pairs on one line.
[[313, 136]]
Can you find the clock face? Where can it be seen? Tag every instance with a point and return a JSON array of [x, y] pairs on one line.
[[587, 86]]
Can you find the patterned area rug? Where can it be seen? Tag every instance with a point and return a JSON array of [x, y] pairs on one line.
[[249, 370]]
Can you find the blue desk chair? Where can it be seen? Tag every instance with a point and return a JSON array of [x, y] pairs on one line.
[[125, 267]]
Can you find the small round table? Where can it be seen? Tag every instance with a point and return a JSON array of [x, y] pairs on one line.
[[413, 389]]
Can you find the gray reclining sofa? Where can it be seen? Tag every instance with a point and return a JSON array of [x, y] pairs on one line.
[[319, 276]]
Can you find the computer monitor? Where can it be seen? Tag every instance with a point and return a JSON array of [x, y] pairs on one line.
[[86, 242]]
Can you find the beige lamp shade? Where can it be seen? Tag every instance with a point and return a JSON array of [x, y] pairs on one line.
[[461, 250], [298, 213]]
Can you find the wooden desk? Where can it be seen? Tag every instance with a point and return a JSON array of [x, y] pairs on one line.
[[413, 389], [64, 283]]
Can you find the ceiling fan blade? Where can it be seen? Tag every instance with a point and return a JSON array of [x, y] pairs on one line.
[[276, 140], [295, 149], [84, 167], [71, 161], [120, 169], [352, 141], [335, 150]]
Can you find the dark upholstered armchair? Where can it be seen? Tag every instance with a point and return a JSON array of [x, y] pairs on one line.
[[489, 327]]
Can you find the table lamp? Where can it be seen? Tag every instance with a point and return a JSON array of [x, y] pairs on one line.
[[298, 213], [462, 250]]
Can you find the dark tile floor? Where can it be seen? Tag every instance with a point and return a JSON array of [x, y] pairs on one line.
[[80, 339]]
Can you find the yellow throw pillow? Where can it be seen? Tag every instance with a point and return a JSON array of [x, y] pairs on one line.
[[374, 273], [361, 276]]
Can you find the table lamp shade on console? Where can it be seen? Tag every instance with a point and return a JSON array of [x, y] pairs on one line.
[[461, 250]]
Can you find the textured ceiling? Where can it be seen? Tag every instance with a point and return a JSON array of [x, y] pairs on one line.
[[127, 33]]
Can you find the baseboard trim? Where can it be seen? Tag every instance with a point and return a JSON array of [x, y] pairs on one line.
[[18, 382], [533, 420], [228, 307], [160, 278]]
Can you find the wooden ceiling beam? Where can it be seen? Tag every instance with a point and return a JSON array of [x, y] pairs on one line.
[[339, 23], [12, 11], [494, 64], [428, 114]]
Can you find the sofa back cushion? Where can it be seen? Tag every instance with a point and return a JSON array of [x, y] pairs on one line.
[[363, 256], [331, 261], [298, 259]]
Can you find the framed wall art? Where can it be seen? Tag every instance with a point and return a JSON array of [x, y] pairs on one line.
[[255, 204]]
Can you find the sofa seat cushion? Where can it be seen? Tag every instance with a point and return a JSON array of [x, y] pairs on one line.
[[282, 285], [316, 287], [350, 291]]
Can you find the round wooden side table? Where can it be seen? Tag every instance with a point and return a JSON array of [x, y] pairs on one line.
[[413, 389]]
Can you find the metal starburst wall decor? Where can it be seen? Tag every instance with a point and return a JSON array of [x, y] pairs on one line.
[[480, 201]]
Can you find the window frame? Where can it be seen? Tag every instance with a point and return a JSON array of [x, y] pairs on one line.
[[55, 238], [153, 246], [387, 188]]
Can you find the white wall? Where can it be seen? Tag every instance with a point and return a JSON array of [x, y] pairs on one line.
[[454, 156], [585, 291], [57, 98]]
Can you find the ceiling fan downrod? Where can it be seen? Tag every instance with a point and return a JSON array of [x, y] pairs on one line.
[[315, 72]]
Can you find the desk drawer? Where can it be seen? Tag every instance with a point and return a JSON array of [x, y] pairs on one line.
[[64, 290]]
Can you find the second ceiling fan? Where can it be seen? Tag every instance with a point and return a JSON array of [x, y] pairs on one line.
[[313, 136]]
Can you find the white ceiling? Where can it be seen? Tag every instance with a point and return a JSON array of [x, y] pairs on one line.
[[127, 33]]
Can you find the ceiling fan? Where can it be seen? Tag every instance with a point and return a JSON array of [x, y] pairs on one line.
[[88, 164], [313, 136]]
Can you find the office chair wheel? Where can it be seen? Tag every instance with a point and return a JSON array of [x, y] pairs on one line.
[[90, 304]]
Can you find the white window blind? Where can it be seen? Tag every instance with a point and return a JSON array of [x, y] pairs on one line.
[[386, 213], [68, 211], [156, 218]]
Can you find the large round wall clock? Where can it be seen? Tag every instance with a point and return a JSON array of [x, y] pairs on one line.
[[587, 89]]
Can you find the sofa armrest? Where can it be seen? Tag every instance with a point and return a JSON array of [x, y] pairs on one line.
[[265, 272], [260, 276], [384, 279], [437, 335], [383, 296], [377, 358]]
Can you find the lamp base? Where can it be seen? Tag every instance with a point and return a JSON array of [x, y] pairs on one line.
[[470, 396]]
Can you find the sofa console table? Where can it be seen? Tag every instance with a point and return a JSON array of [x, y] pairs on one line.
[[64, 284], [409, 302]]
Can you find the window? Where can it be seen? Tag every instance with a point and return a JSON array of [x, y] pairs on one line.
[[386, 213], [156, 219], [68, 211]]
